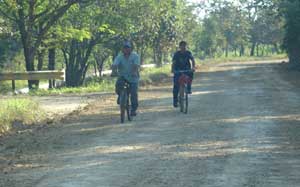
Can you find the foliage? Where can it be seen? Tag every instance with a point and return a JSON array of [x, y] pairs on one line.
[[34, 19], [86, 32], [238, 25], [9, 44]]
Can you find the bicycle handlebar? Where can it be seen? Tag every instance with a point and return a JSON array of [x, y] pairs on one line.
[[124, 79]]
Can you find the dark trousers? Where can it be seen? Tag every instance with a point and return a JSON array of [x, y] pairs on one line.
[[133, 88], [176, 85]]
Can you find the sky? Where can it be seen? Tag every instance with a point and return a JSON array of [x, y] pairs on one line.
[[201, 1], [200, 12], [195, 1]]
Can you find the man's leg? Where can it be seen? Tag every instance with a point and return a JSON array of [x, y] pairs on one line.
[[134, 98], [175, 90]]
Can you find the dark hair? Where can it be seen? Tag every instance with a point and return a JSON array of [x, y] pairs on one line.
[[182, 43]]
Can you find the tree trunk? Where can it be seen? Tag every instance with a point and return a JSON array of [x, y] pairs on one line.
[[242, 51], [40, 56], [77, 62], [100, 67], [257, 50], [100, 62], [95, 68], [226, 50], [252, 49], [154, 56], [142, 53], [276, 48], [157, 54], [29, 60], [51, 65]]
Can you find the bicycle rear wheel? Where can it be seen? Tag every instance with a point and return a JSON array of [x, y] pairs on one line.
[[186, 103], [181, 98], [123, 104]]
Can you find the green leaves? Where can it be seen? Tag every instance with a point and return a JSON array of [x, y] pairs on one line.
[[105, 28], [68, 33]]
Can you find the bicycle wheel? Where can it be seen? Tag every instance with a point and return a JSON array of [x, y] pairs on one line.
[[181, 98], [123, 103], [128, 109], [186, 103]]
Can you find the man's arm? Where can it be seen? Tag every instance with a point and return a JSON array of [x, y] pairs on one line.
[[136, 65], [173, 63], [193, 62]]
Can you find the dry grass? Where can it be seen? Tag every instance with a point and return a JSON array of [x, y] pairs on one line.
[[22, 111]]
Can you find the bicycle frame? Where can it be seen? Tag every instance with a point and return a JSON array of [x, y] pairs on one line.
[[124, 101], [183, 92]]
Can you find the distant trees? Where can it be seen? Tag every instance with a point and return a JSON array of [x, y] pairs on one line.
[[240, 26]]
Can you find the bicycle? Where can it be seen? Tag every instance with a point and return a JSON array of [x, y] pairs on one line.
[[124, 100], [183, 91]]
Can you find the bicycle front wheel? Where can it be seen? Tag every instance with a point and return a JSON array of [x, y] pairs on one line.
[[123, 104], [128, 109]]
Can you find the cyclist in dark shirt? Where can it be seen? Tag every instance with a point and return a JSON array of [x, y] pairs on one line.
[[182, 61]]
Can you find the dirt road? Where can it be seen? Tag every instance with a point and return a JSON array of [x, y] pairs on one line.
[[243, 129]]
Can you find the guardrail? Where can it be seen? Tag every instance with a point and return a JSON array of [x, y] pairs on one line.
[[32, 75]]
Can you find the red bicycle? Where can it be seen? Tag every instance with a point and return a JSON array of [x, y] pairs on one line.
[[184, 80]]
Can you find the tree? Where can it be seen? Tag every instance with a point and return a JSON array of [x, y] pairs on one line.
[[210, 38], [85, 28], [34, 18], [291, 10]]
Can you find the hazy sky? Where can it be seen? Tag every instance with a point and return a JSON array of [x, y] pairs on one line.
[[199, 1], [196, 1], [202, 13]]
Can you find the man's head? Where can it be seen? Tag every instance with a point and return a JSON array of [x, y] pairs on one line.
[[182, 45], [127, 47]]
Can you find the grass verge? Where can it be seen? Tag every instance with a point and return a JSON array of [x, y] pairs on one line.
[[107, 84], [149, 76], [19, 112], [94, 84]]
